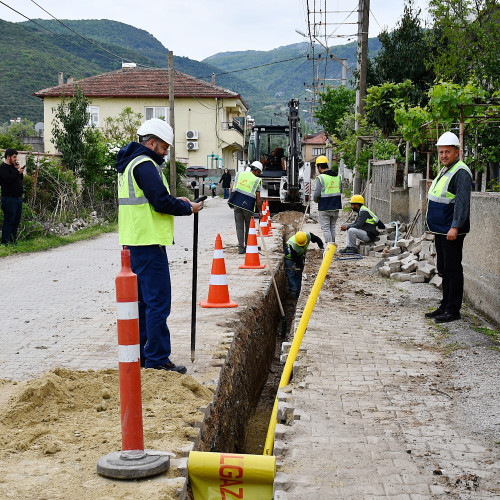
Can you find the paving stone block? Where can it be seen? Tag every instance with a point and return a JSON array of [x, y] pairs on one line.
[[395, 266], [394, 251], [437, 281], [385, 271], [400, 276], [427, 271], [409, 267], [417, 278], [416, 249], [404, 243]]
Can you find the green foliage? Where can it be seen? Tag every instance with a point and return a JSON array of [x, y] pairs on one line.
[[122, 128], [333, 105], [447, 99], [403, 54], [466, 41], [11, 134], [51, 191], [413, 124], [382, 101], [70, 129], [180, 186]]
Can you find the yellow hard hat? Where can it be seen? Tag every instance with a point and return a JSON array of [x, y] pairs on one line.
[[301, 238], [357, 198], [321, 159]]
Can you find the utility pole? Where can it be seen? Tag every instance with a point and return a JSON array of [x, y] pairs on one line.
[[173, 171], [363, 23]]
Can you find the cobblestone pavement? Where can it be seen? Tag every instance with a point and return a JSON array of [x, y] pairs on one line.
[[378, 397], [59, 306]]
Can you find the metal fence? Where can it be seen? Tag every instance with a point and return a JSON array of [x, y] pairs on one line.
[[383, 180]]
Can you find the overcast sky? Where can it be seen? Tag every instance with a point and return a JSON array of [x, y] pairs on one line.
[[201, 28]]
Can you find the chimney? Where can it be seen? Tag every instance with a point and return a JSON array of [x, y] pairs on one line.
[[213, 79], [60, 78], [70, 80]]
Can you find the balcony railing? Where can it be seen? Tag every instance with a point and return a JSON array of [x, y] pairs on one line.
[[234, 125]]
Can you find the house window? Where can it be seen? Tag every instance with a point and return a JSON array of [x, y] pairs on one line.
[[317, 151], [93, 111], [161, 112]]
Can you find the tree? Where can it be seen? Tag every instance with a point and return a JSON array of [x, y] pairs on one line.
[[333, 104], [465, 35], [124, 127], [70, 129], [403, 55], [382, 101]]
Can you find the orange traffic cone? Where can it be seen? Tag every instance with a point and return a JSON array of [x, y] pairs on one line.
[[263, 225], [252, 260], [269, 216], [218, 292]]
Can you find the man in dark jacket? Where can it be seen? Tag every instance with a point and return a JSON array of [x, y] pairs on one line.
[[11, 182], [448, 209], [146, 226], [226, 182], [364, 228]]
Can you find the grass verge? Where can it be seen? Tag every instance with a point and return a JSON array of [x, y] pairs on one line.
[[54, 241]]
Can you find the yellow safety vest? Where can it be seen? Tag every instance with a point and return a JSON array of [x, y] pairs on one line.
[[244, 193], [138, 222]]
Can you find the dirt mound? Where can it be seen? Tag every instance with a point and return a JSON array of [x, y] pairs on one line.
[[54, 429]]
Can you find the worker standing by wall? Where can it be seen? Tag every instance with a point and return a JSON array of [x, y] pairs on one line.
[[448, 209], [328, 196], [244, 197]]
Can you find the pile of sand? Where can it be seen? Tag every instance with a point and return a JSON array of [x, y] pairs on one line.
[[54, 429]]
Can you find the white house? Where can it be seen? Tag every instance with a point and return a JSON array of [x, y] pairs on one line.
[[206, 130]]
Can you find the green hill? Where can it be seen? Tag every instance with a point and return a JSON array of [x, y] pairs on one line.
[[36, 56]]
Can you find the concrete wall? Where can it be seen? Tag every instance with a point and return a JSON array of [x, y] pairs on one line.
[[481, 259]]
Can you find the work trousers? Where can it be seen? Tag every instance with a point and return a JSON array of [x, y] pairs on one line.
[[242, 220], [150, 263], [294, 276], [12, 209], [353, 233], [449, 266], [328, 220]]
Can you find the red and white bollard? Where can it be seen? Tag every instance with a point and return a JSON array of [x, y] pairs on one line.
[[133, 461], [129, 357]]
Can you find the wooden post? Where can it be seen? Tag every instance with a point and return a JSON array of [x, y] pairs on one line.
[[173, 171]]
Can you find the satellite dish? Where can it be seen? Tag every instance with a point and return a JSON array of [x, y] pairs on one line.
[[39, 127]]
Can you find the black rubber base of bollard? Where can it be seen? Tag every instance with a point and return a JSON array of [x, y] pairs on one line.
[[116, 466]]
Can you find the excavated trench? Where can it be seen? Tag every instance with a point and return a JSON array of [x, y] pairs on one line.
[[242, 404]]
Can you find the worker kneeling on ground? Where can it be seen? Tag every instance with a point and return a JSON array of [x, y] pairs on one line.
[[295, 255], [364, 228]]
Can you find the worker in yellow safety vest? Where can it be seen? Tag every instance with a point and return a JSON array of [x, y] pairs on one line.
[[364, 228], [244, 198], [448, 209], [146, 225], [295, 250], [328, 195]]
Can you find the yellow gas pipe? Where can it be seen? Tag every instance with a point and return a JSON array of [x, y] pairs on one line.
[[297, 340]]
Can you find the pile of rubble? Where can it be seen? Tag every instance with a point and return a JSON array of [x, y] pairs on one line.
[[407, 258]]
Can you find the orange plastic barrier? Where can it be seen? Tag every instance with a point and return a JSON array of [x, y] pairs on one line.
[[252, 259]]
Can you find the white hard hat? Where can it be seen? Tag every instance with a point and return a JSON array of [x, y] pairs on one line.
[[448, 139], [158, 128], [256, 164]]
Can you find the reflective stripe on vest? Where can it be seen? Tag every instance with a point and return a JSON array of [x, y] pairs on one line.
[[441, 203], [244, 193], [138, 223], [374, 219], [299, 250], [331, 198]]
